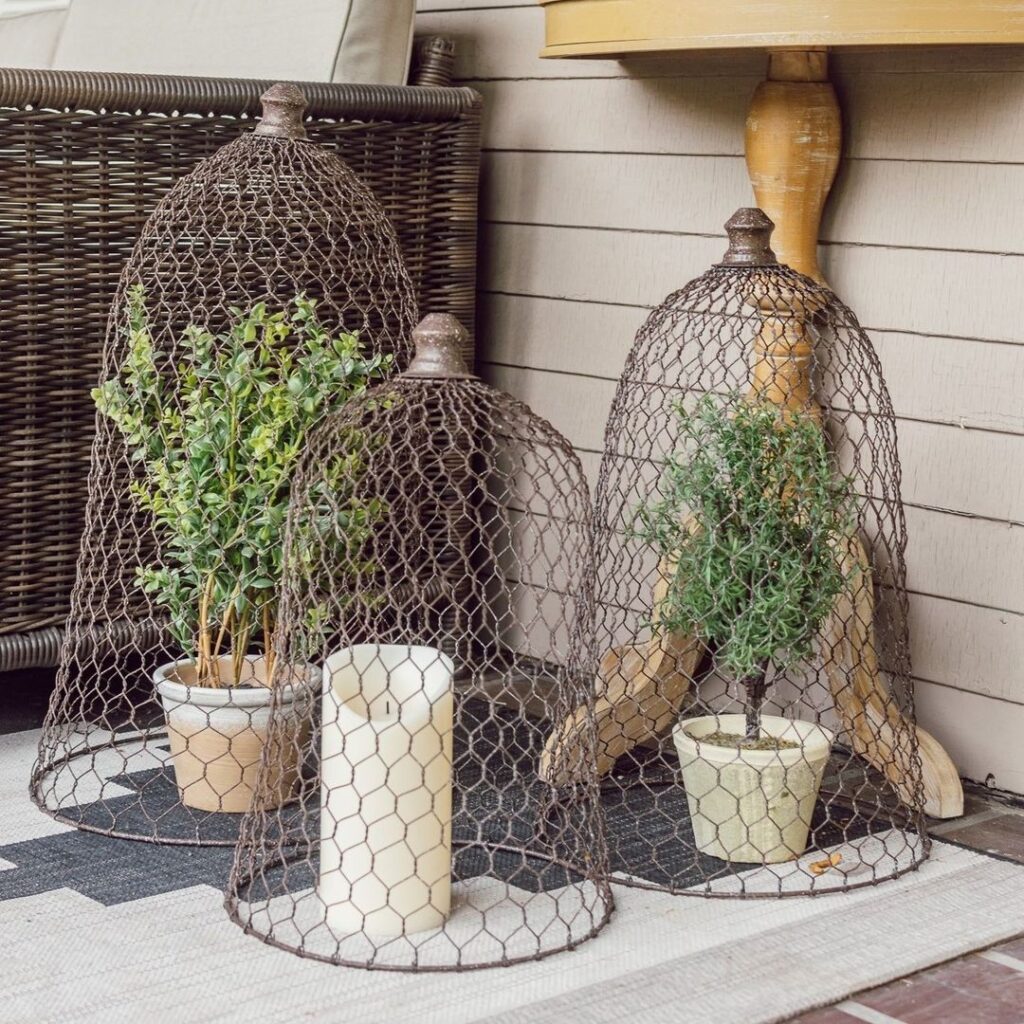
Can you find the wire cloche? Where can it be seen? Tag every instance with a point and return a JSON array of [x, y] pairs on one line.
[[754, 709], [265, 290], [434, 593]]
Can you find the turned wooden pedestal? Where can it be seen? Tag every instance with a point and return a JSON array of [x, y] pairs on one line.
[[793, 138]]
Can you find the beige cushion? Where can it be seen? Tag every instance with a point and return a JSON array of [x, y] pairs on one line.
[[29, 40], [311, 40]]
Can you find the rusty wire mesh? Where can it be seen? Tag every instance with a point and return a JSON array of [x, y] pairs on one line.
[[743, 557], [447, 631], [132, 746]]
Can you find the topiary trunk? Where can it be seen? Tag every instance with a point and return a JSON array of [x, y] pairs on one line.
[[756, 687]]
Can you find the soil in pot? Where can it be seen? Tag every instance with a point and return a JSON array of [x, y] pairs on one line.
[[751, 805], [217, 736], [736, 739]]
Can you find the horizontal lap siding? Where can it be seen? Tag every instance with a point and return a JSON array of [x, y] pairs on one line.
[[605, 187]]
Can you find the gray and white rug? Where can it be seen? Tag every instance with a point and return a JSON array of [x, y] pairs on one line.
[[105, 931]]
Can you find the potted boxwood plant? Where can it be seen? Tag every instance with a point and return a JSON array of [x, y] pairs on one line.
[[750, 520], [215, 444]]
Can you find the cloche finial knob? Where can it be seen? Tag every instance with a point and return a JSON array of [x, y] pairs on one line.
[[440, 341], [750, 232], [283, 107]]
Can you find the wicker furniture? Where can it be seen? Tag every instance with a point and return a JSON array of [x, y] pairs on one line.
[[83, 159], [366, 41]]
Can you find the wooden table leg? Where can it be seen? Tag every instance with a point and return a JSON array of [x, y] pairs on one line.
[[640, 689], [793, 142]]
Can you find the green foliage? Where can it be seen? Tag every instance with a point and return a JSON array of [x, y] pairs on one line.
[[752, 520], [217, 441]]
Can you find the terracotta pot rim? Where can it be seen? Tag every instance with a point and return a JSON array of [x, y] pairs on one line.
[[220, 696]]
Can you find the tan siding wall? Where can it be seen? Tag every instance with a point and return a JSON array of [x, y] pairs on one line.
[[605, 187]]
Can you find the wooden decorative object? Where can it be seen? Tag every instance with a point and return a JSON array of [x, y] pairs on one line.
[[622, 28], [640, 689], [793, 143], [877, 729], [793, 140]]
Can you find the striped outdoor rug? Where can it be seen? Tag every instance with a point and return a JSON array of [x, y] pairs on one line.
[[104, 931]]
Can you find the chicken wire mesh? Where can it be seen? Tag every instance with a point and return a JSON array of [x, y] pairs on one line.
[[754, 713], [265, 290], [435, 581]]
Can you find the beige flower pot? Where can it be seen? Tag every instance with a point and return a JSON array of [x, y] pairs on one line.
[[752, 806], [217, 735]]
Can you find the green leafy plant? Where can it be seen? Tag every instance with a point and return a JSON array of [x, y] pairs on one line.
[[216, 441], [751, 519]]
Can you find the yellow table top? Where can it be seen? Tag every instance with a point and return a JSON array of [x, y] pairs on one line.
[[618, 28]]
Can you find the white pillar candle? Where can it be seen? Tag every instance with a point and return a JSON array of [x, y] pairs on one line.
[[386, 789]]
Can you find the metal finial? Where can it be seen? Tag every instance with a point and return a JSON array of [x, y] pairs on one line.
[[283, 107], [750, 232], [440, 341]]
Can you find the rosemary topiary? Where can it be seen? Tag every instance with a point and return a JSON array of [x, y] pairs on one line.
[[750, 523], [216, 443]]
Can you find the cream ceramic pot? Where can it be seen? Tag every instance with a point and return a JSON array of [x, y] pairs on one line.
[[217, 735], [752, 806]]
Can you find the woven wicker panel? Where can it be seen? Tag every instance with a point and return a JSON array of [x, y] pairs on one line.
[[83, 160]]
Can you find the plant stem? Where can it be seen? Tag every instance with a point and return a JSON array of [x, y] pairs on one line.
[[756, 688], [225, 628], [268, 643], [204, 666]]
